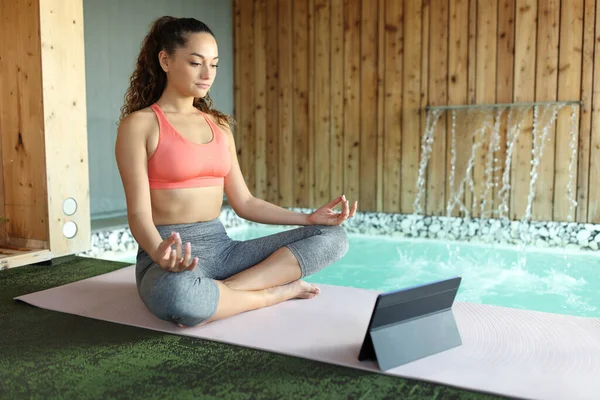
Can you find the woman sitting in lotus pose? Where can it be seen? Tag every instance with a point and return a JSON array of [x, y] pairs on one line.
[[176, 156]]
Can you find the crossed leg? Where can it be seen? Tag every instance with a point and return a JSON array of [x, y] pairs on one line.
[[276, 278], [279, 268]]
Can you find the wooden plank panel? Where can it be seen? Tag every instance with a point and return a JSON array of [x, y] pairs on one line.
[[238, 129], [392, 119], [458, 60], [381, 54], [485, 93], [569, 88], [22, 121], [546, 90], [505, 84], [472, 98], [438, 95], [286, 166], [472, 67], [26, 224], [524, 91], [311, 105], [368, 107], [272, 102], [24, 258], [425, 76], [65, 121], [260, 98], [247, 122], [4, 49], [322, 101], [352, 95], [411, 103], [587, 81], [594, 190], [337, 97], [300, 103]]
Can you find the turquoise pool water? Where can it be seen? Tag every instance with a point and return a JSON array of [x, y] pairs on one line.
[[537, 279]]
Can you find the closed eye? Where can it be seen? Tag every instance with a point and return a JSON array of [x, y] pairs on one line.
[[195, 64]]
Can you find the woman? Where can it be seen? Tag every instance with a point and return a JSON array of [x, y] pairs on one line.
[[176, 156]]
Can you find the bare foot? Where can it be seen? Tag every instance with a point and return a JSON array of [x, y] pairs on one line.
[[293, 290], [305, 290]]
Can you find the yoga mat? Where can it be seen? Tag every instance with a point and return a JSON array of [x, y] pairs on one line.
[[505, 351]]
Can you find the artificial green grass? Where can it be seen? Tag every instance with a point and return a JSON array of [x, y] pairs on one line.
[[51, 355]]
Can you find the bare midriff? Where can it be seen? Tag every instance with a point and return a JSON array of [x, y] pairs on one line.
[[184, 206]]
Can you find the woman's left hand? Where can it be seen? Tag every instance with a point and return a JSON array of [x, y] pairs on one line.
[[326, 216]]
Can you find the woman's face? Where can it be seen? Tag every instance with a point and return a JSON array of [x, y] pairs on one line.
[[192, 69]]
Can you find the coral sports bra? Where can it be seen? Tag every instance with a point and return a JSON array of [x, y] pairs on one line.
[[179, 163]]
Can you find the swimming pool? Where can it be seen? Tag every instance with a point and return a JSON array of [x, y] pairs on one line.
[[548, 280]]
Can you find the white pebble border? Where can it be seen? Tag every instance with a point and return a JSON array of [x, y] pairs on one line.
[[569, 235]]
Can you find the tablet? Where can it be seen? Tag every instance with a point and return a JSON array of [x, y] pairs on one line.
[[412, 323]]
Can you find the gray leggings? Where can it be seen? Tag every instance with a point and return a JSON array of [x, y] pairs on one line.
[[191, 297]]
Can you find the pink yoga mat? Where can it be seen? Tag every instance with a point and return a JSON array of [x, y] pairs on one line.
[[505, 351]]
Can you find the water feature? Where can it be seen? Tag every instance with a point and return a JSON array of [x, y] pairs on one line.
[[484, 121], [484, 125]]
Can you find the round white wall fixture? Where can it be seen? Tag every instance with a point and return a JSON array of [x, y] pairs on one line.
[[69, 206], [70, 229]]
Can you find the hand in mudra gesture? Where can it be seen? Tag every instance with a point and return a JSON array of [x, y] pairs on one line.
[[325, 215], [174, 260]]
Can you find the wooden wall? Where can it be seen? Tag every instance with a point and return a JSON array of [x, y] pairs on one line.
[[43, 133], [23, 190], [330, 98]]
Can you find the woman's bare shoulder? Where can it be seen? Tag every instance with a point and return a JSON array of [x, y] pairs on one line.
[[139, 119]]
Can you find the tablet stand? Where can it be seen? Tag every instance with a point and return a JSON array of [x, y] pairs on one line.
[[412, 323]]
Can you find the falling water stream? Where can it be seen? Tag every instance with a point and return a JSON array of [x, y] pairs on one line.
[[484, 125]]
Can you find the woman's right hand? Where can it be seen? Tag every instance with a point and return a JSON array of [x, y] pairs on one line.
[[171, 259]]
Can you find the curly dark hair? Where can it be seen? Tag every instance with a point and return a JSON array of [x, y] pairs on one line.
[[148, 80]]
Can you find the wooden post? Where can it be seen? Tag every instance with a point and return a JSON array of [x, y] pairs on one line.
[[44, 189]]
